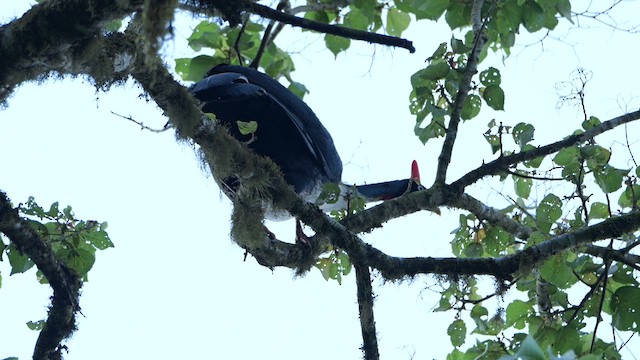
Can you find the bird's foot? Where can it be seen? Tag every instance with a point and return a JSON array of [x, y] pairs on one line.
[[301, 237]]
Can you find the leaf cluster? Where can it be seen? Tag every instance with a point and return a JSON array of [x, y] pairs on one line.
[[73, 241]]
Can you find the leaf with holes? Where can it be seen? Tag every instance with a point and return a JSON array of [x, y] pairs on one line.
[[457, 332], [471, 107], [548, 212], [624, 304], [493, 95], [490, 76], [523, 134]]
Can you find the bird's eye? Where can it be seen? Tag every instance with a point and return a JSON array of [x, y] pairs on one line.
[[240, 80]]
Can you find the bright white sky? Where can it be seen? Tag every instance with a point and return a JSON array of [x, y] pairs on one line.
[[175, 285]]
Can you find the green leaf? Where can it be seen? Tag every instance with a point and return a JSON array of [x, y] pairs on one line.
[[533, 163], [81, 260], [113, 25], [522, 186], [19, 263], [458, 14], [443, 304], [298, 88], [439, 53], [517, 313], [493, 95], [490, 76], [458, 46], [205, 35], [98, 239], [564, 8], [435, 129], [599, 211], [567, 156], [491, 326], [567, 338], [397, 21], [471, 107], [355, 19], [590, 123], [556, 271], [36, 325], [497, 241], [247, 127], [336, 44], [533, 17], [624, 304], [523, 134], [609, 179], [629, 197], [457, 331], [431, 9], [494, 141], [324, 265], [596, 156], [530, 350], [195, 69], [438, 69], [319, 16], [53, 210], [548, 212], [474, 250], [330, 194]]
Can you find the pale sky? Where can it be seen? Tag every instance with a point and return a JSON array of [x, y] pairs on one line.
[[176, 286]]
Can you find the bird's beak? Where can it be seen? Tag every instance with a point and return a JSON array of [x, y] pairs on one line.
[[414, 180]]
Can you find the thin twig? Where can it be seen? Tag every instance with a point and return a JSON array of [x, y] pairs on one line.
[[341, 31], [166, 127]]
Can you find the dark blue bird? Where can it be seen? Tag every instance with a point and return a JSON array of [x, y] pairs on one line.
[[288, 132]]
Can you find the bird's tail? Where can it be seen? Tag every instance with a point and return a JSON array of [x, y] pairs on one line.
[[335, 197], [392, 189]]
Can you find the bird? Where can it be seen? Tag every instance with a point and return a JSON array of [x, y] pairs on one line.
[[289, 133]]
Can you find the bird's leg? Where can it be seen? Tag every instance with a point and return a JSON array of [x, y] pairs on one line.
[[270, 234], [300, 235]]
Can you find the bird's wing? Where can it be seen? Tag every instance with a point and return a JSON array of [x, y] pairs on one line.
[[226, 87], [316, 137]]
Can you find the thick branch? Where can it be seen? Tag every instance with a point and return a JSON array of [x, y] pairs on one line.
[[65, 283], [365, 307], [504, 267], [32, 44]]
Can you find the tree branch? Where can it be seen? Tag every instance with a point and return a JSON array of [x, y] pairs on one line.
[[34, 44], [65, 283], [493, 216], [504, 267], [232, 15], [502, 163], [365, 307], [630, 260], [465, 85]]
